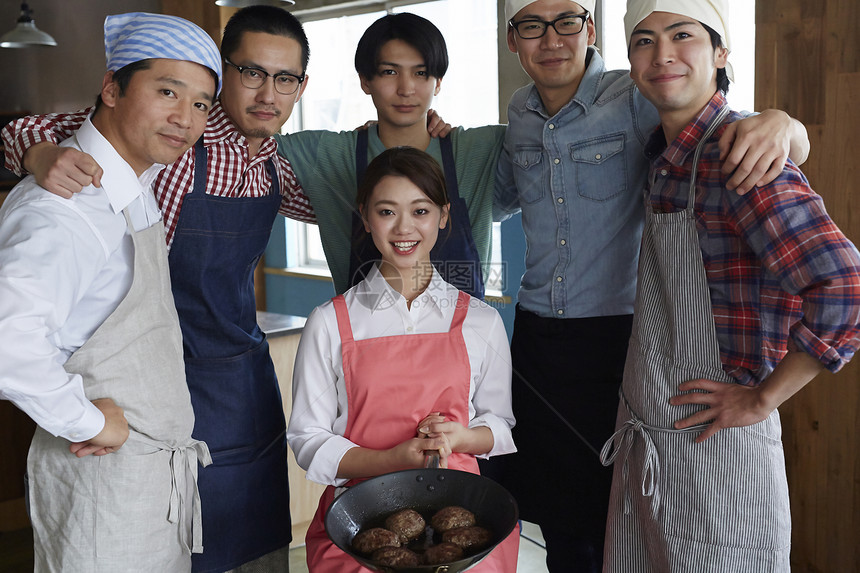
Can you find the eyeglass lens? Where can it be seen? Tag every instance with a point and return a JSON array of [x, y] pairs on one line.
[[565, 26], [285, 84]]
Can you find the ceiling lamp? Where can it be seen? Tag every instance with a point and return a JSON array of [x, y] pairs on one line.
[[25, 33], [242, 3]]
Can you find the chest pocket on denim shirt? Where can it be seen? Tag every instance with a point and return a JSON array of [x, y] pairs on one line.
[[601, 167], [528, 173]]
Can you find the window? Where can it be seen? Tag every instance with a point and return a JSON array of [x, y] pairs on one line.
[[334, 99], [741, 95]]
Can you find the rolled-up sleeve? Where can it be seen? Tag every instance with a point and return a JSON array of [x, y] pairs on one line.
[[787, 226]]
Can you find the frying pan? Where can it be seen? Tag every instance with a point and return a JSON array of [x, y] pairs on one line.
[[426, 491]]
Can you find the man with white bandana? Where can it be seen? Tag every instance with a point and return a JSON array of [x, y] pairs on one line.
[[90, 341], [573, 163], [741, 302]]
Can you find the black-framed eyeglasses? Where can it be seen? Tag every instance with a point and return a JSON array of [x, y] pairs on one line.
[[254, 78], [533, 28]]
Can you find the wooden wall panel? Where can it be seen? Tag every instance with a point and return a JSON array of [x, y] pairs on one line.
[[808, 64], [204, 13]]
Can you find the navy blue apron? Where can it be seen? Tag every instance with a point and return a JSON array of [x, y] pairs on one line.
[[454, 255], [237, 403]]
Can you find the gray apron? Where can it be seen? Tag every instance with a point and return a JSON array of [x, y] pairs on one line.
[[675, 505], [136, 509]]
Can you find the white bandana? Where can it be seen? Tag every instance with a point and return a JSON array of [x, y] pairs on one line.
[[712, 13], [514, 6]]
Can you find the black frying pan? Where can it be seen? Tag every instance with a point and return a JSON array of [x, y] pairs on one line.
[[427, 491]]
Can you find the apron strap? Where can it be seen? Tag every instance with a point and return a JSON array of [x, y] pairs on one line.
[[201, 166], [460, 312], [450, 168], [715, 123], [275, 189], [361, 144], [343, 325]]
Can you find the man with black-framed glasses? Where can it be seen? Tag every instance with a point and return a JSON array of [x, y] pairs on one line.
[[573, 163], [219, 202]]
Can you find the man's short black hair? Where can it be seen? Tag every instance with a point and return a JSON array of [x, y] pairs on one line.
[[416, 31], [122, 77], [266, 19], [722, 76]]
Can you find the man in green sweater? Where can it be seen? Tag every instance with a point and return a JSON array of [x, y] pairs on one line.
[[401, 59]]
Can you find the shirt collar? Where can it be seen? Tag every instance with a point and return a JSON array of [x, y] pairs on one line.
[[220, 128], [378, 295], [679, 151], [587, 92], [120, 183]]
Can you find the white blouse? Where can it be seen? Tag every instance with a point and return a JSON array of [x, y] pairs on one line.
[[65, 265], [320, 408]]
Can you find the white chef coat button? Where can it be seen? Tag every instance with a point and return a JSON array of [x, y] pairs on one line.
[[663, 172], [563, 242], [556, 160], [410, 328], [560, 199], [559, 312], [552, 126], [598, 156], [559, 279], [74, 435]]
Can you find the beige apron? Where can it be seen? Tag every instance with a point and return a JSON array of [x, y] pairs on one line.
[[137, 509], [677, 506]]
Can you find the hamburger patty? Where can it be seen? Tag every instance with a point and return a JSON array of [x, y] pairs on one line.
[[406, 523]]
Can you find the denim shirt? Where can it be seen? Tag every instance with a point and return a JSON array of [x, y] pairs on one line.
[[578, 178]]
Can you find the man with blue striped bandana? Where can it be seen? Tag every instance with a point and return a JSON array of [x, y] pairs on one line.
[[90, 341]]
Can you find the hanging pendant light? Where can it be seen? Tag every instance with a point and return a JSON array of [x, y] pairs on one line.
[[25, 33], [242, 3]]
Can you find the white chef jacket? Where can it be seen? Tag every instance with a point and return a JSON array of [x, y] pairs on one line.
[[320, 408], [65, 265]]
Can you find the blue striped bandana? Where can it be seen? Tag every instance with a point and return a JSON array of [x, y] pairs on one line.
[[139, 36]]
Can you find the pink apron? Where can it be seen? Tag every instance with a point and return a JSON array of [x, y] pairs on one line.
[[392, 383]]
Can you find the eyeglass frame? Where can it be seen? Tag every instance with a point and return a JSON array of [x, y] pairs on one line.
[[584, 17], [266, 75]]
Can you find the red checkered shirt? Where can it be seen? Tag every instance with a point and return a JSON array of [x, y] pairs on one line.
[[779, 271], [230, 174]]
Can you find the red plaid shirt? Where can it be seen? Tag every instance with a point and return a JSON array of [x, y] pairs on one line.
[[779, 270], [230, 173]]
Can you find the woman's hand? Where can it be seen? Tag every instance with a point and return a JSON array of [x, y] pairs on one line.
[[460, 439], [411, 453], [366, 462]]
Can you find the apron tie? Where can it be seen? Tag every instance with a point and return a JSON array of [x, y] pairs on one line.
[[623, 437], [183, 472]]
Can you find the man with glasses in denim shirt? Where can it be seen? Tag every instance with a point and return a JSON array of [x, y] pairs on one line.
[[573, 164]]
